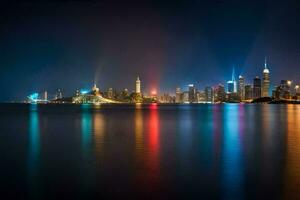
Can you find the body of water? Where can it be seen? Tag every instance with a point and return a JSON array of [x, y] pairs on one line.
[[229, 151]]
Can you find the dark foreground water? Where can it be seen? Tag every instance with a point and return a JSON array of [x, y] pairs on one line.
[[226, 151]]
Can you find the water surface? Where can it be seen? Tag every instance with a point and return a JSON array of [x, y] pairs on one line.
[[229, 151]]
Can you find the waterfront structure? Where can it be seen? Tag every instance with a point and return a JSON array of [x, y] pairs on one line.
[[192, 93], [248, 92], [46, 96], [178, 95], [231, 85], [256, 88], [185, 97], [266, 81], [200, 96], [110, 93], [241, 88], [209, 94], [59, 94], [219, 93], [166, 98], [283, 91], [138, 85], [92, 96], [297, 92]]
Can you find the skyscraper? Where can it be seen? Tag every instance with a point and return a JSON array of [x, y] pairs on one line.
[[192, 93], [138, 85], [219, 93], [231, 85], [266, 81], [209, 94], [248, 92], [46, 96], [178, 98], [241, 87], [110, 93], [256, 87]]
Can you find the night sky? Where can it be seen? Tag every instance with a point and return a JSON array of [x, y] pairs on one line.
[[70, 44]]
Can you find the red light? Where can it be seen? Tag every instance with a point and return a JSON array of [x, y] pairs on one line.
[[153, 92], [153, 106]]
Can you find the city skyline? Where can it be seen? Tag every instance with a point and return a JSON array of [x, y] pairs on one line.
[[234, 80], [181, 99], [168, 45], [234, 91]]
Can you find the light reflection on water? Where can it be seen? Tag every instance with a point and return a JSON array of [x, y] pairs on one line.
[[33, 151], [210, 151], [292, 167], [232, 157]]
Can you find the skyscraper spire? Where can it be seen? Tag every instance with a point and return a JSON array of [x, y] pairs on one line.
[[266, 81], [266, 70], [265, 62]]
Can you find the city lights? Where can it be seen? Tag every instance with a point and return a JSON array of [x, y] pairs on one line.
[[233, 92]]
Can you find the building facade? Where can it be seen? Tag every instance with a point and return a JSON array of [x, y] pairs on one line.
[[241, 88], [192, 93], [138, 85], [209, 94], [266, 82], [248, 92], [178, 97], [256, 88]]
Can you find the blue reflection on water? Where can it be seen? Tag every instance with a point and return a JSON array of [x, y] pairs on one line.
[[33, 149], [86, 127], [185, 129], [232, 161], [34, 137]]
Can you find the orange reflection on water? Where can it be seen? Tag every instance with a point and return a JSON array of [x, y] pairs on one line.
[[292, 169], [99, 131], [139, 139], [147, 148]]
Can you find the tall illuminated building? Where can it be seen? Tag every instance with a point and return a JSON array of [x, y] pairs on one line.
[[110, 93], [266, 81], [209, 94], [231, 85], [192, 93], [46, 96], [219, 93], [185, 97], [59, 94], [241, 87], [248, 92], [178, 95], [138, 85], [256, 87]]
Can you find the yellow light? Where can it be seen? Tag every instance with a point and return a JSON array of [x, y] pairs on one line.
[[289, 82], [297, 87]]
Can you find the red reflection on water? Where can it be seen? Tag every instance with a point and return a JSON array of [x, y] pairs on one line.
[[153, 133], [147, 150], [153, 106], [148, 179]]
